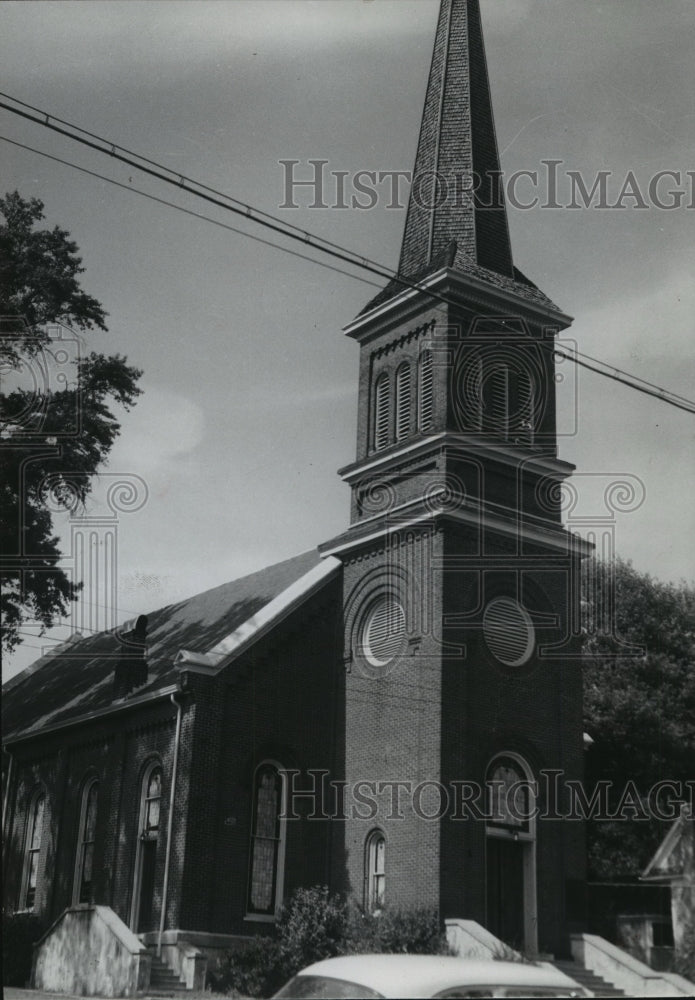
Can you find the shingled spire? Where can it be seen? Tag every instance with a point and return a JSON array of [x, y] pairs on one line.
[[456, 215]]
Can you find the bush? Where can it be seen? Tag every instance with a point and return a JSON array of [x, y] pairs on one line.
[[253, 970], [310, 928], [19, 932], [685, 960], [414, 931], [316, 925]]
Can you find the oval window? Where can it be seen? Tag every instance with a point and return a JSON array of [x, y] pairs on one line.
[[508, 631], [383, 637]]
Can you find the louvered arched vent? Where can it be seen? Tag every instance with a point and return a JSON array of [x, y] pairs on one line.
[[384, 632], [402, 402], [426, 398], [526, 406], [498, 400], [381, 412], [508, 631]]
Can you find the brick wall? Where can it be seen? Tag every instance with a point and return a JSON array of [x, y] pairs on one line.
[[280, 701], [114, 750]]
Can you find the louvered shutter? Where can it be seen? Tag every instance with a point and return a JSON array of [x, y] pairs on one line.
[[426, 401], [525, 408], [381, 417], [402, 402], [498, 399], [474, 395], [508, 631]]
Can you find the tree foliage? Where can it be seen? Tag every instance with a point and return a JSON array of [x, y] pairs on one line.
[[54, 436], [639, 707]]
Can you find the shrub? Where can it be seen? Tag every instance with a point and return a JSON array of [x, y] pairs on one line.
[[253, 970], [685, 960], [316, 925], [19, 932], [414, 931], [505, 953], [310, 928]]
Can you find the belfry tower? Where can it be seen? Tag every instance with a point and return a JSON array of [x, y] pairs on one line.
[[463, 695]]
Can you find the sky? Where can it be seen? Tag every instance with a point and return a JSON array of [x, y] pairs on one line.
[[250, 386]]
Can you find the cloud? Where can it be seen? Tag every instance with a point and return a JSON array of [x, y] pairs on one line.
[[163, 426], [101, 36], [654, 323]]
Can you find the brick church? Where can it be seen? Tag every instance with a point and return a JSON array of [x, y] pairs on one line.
[[393, 715]]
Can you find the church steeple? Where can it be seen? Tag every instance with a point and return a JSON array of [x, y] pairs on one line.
[[456, 353], [456, 215]]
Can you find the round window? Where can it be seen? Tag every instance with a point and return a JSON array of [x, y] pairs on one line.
[[508, 631], [383, 636]]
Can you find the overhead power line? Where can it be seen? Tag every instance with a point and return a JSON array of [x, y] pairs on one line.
[[258, 216], [617, 375], [211, 195], [187, 211]]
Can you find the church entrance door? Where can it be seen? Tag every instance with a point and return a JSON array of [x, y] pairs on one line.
[[510, 866], [505, 890]]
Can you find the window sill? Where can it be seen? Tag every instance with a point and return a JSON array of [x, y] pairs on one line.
[[261, 918]]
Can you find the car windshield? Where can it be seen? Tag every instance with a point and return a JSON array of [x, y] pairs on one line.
[[320, 987]]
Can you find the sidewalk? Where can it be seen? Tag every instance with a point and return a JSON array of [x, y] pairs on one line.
[[14, 993]]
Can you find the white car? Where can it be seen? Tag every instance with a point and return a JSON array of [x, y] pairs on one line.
[[363, 977]]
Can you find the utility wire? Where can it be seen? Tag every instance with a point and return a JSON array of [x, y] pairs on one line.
[[291, 232], [182, 182], [651, 385], [236, 206], [179, 177], [665, 395], [64, 623], [188, 211]]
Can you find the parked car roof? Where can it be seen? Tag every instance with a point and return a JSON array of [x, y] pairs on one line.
[[428, 976]]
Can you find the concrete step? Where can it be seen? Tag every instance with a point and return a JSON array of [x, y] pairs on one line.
[[164, 982], [599, 986], [155, 991]]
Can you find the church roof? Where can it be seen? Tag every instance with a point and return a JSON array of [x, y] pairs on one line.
[[77, 678], [519, 285], [675, 856], [457, 215]]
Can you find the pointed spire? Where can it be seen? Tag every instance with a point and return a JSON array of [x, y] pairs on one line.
[[457, 148]]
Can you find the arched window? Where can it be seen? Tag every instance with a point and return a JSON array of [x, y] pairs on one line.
[[403, 402], [426, 392], [375, 862], [32, 850], [84, 861], [511, 792], [152, 797], [148, 838], [382, 405], [266, 874]]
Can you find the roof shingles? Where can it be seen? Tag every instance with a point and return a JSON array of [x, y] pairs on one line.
[[77, 679]]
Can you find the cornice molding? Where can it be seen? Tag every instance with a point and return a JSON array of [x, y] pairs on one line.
[[461, 442], [468, 289], [558, 539]]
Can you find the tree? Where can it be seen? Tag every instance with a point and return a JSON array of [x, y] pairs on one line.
[[639, 708], [54, 436]]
